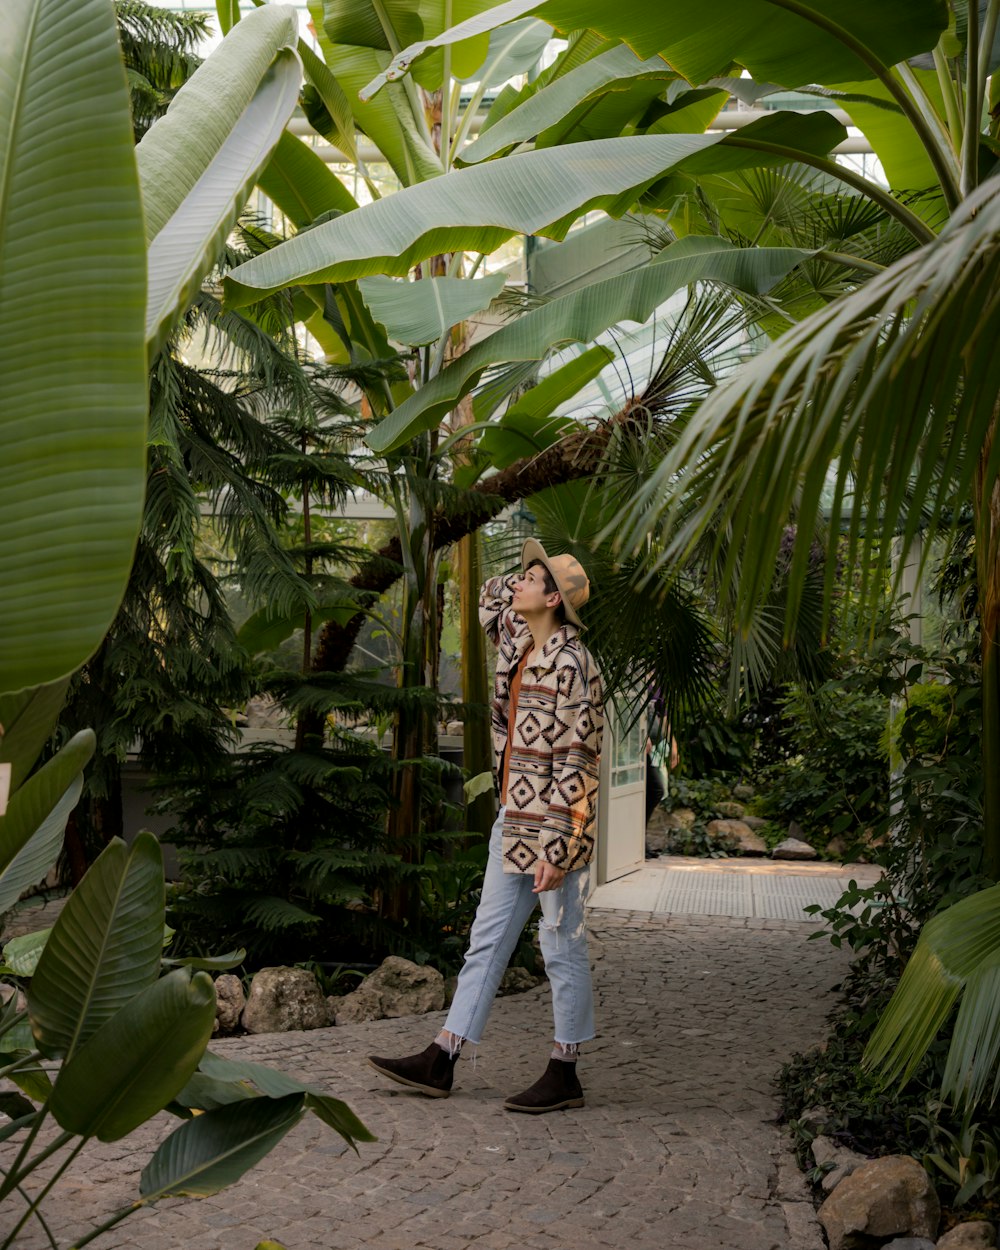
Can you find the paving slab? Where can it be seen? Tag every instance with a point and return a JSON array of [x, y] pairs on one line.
[[676, 1149]]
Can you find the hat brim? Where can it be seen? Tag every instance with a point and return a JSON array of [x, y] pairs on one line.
[[532, 551]]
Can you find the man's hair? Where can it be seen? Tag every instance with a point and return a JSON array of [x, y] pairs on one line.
[[551, 588]]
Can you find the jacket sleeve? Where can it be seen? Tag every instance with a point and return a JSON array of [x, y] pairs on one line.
[[496, 615], [567, 836]]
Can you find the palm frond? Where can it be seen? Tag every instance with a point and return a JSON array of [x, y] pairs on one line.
[[889, 392], [958, 953]]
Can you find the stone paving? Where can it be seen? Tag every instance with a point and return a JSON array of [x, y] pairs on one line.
[[677, 1148]]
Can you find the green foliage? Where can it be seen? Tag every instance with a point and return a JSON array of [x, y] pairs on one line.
[[133, 1043], [932, 859]]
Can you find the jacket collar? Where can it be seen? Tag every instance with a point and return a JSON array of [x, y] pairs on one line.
[[546, 660]]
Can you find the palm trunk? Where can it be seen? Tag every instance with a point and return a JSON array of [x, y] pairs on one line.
[[988, 572], [570, 460]]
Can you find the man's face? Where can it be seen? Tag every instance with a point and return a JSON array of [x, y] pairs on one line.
[[530, 595]]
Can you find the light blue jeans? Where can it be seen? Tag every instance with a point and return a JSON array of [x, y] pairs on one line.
[[506, 903]]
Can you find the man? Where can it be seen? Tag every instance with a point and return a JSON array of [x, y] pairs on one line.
[[548, 719]]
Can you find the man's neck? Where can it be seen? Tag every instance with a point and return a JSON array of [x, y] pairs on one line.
[[542, 628]]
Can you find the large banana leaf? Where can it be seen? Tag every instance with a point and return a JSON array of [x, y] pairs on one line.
[[214, 1150], [104, 948], [513, 50], [302, 184], [533, 193], [188, 244], [612, 70], [389, 122], [529, 426], [959, 949], [916, 341], [894, 141], [416, 313], [41, 851], [139, 1059], [35, 800], [28, 719], [582, 315], [776, 41], [72, 361], [179, 149]]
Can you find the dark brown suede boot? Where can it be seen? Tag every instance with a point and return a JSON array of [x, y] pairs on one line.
[[431, 1071], [555, 1089]]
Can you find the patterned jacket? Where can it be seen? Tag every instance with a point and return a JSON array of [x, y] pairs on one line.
[[552, 782]]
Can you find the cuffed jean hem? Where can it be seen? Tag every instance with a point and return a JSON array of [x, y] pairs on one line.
[[506, 904]]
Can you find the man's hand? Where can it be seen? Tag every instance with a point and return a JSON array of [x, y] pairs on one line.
[[547, 877]]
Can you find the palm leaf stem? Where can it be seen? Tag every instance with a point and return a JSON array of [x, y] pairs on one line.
[[40, 1218], [36, 1202], [851, 262], [918, 228], [973, 103], [938, 157], [948, 94]]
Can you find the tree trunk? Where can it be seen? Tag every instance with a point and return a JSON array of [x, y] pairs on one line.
[[988, 574], [571, 459], [476, 739], [411, 732]]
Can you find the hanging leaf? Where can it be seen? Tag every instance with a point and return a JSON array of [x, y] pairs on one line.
[[73, 393], [561, 97], [533, 193], [584, 314], [416, 313], [27, 720], [139, 1059], [214, 1150], [104, 948], [775, 43]]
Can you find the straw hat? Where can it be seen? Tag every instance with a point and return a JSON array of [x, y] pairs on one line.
[[567, 573]]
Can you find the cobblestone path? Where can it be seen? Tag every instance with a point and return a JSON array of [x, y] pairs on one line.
[[675, 1150]]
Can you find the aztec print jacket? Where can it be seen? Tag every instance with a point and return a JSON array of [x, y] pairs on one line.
[[552, 783]]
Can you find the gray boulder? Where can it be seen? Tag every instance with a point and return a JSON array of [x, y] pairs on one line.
[[755, 822], [909, 1243], [739, 832], [229, 1002], [843, 1161], [793, 848], [681, 818], [284, 999], [972, 1235], [396, 988], [731, 811], [517, 981], [882, 1199]]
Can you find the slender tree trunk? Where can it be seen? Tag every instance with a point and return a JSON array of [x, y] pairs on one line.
[[410, 738], [476, 739], [988, 572]]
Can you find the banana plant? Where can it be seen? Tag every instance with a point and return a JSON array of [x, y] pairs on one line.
[[914, 340], [132, 1043], [84, 209], [130, 233]]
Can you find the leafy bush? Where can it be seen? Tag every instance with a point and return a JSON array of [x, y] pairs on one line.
[[835, 781], [931, 860]]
